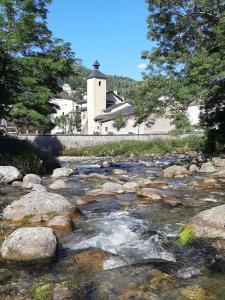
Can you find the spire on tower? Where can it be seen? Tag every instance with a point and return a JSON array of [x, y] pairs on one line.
[[95, 73]]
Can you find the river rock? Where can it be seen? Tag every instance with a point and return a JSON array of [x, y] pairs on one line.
[[119, 172], [38, 203], [28, 244], [110, 186], [174, 171], [142, 182], [193, 168], [132, 185], [172, 202], [62, 172], [60, 223], [38, 187], [208, 167], [30, 180], [209, 182], [58, 184], [106, 164], [209, 223], [218, 162], [8, 174], [151, 193], [220, 173], [62, 292], [17, 183]]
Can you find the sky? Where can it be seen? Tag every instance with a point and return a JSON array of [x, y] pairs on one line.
[[111, 31]]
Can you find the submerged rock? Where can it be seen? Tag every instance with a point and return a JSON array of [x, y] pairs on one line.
[[38, 203], [110, 186], [9, 174], [30, 180], [119, 172], [174, 171], [62, 172], [92, 258], [172, 202], [195, 292], [28, 244]]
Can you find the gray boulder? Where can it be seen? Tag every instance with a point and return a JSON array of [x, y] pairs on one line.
[[209, 223], [208, 167], [30, 180], [174, 171], [38, 203], [62, 292], [29, 244], [62, 172], [218, 162], [8, 174]]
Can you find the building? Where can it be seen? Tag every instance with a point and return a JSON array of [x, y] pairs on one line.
[[100, 108]]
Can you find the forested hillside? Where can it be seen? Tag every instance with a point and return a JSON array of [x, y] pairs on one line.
[[125, 86]]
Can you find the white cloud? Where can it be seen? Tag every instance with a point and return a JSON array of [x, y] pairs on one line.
[[142, 66]]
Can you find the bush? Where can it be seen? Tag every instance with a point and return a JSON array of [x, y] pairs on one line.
[[26, 157], [140, 148]]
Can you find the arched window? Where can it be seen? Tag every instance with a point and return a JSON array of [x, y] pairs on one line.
[[99, 83]]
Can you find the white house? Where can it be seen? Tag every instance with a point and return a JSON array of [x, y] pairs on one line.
[[102, 108]]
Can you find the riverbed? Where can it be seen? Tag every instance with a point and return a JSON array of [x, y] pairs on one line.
[[124, 247]]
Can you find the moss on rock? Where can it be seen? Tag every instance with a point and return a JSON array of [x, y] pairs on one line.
[[186, 235]]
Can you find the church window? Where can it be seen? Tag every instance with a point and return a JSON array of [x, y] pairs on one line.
[[106, 129], [99, 83]]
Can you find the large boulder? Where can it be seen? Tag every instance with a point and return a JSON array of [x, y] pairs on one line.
[[29, 244], [62, 172], [208, 167], [30, 180], [38, 203], [209, 223], [174, 171], [8, 174]]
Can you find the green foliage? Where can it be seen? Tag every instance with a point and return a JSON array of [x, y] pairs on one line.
[[126, 87], [140, 148], [213, 114], [69, 122], [120, 121], [186, 236], [26, 157], [189, 53], [42, 291], [33, 61]]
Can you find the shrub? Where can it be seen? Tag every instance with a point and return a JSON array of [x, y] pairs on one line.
[[26, 157], [140, 148]]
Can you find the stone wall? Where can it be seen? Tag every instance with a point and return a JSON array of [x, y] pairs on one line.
[[58, 142]]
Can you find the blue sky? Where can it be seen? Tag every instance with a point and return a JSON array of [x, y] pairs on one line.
[[112, 31]]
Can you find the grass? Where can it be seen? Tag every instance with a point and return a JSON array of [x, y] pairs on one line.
[[140, 148], [186, 236], [26, 157]]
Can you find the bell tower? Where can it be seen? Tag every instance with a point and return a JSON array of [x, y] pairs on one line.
[[96, 96]]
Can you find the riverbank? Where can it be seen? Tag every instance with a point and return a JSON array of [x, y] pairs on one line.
[[140, 148]]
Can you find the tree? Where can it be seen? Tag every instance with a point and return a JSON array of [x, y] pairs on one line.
[[75, 121], [189, 52], [120, 121], [33, 61], [62, 122]]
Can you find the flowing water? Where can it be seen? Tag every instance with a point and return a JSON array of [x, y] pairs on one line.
[[124, 247]]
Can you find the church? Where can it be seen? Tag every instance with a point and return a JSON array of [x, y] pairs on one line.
[[100, 108]]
